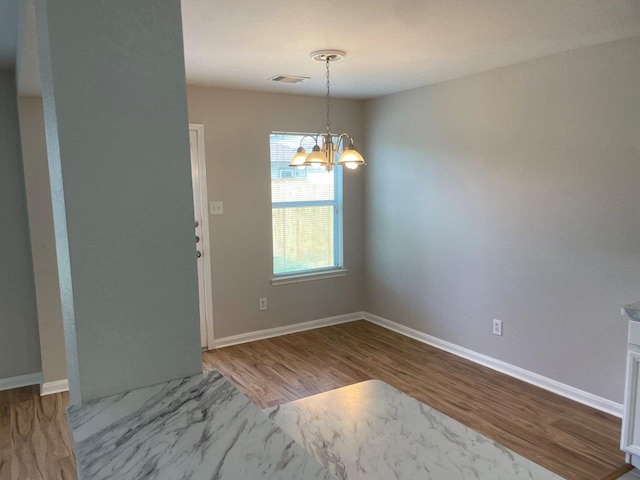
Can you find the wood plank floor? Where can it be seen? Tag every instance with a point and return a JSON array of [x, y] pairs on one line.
[[35, 443], [575, 441]]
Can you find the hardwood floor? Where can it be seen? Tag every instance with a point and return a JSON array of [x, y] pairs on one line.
[[575, 441], [35, 443]]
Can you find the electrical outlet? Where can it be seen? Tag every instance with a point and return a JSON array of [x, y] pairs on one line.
[[497, 327], [263, 303], [216, 208]]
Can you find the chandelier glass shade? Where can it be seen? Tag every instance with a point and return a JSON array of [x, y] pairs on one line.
[[324, 151]]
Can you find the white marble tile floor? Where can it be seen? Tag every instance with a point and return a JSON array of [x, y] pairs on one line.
[[632, 475], [196, 428], [370, 430]]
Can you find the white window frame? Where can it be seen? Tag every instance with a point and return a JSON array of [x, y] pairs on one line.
[[337, 270]]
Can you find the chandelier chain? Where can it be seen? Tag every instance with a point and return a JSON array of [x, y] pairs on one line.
[[328, 98], [325, 152]]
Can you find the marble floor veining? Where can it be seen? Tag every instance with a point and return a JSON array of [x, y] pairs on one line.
[[196, 428], [576, 442], [202, 427], [372, 431]]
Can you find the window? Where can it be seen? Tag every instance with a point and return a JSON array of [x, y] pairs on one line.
[[306, 212]]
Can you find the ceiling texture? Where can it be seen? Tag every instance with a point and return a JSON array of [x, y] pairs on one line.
[[391, 45]]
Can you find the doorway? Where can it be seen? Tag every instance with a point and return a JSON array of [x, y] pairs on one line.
[[201, 227]]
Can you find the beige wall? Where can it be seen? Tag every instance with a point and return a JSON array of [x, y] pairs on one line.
[[43, 248], [513, 194], [237, 243], [510, 194], [237, 125]]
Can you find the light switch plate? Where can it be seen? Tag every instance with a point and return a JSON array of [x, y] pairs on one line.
[[215, 208]]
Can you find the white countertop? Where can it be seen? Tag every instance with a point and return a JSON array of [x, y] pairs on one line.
[[202, 427], [372, 431]]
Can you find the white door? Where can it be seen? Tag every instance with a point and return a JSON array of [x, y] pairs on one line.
[[201, 227]]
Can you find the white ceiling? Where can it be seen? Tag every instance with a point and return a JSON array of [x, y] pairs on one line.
[[392, 45]]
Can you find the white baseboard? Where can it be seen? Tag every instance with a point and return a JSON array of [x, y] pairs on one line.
[[20, 381], [276, 332], [554, 386], [562, 389], [47, 388]]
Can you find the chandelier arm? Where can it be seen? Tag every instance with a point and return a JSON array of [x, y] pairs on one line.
[[349, 157], [341, 138], [315, 138]]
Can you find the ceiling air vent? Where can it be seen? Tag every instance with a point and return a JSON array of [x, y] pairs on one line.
[[288, 79]]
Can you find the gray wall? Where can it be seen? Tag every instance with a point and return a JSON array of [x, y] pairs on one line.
[[19, 349], [43, 248], [237, 125], [118, 152], [513, 194]]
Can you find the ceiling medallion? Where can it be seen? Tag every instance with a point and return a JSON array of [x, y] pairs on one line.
[[324, 151]]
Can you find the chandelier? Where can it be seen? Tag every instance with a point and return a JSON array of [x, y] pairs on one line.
[[324, 151]]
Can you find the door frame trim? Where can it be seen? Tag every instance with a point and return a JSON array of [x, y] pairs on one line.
[[206, 248]]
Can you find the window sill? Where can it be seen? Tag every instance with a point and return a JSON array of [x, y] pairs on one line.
[[307, 277]]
